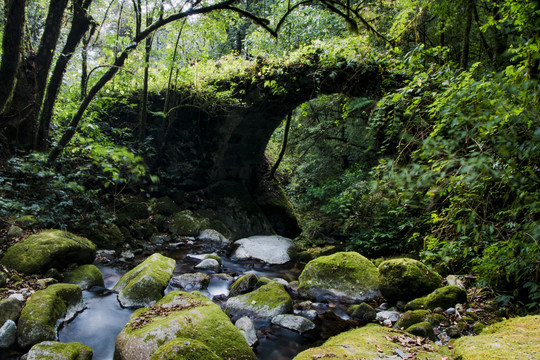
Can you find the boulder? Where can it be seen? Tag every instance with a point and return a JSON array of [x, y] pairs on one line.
[[246, 327], [10, 309], [214, 237], [190, 282], [185, 224], [60, 351], [423, 329], [3, 278], [144, 285], [8, 334], [48, 249], [181, 348], [85, 276], [445, 297], [209, 264], [346, 276], [515, 338], [134, 211], [369, 342], [293, 322], [184, 316], [105, 236], [166, 206], [406, 279], [243, 284], [266, 302], [273, 249], [45, 310], [14, 232], [26, 221], [410, 318], [363, 312]]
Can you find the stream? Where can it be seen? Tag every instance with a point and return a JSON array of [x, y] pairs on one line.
[[103, 319]]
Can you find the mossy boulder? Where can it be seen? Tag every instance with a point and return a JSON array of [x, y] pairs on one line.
[[134, 211], [363, 312], [26, 221], [515, 338], [406, 279], [243, 284], [3, 278], [190, 282], [165, 206], [423, 329], [266, 302], [10, 309], [410, 318], [313, 253], [54, 350], [184, 223], [445, 297], [144, 284], [184, 349], [369, 342], [49, 249], [178, 317], [347, 276], [45, 310], [105, 237], [85, 276]]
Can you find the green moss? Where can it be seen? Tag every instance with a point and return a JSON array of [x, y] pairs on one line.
[[85, 276], [243, 284], [363, 343], [135, 210], [50, 248], [165, 206], [267, 301], [410, 318], [54, 350], [105, 237], [185, 349], [362, 312], [204, 322], [405, 279], [215, 257], [445, 297], [479, 327], [42, 311], [423, 329], [344, 274], [185, 224], [26, 221], [511, 339], [313, 253], [144, 285], [3, 278]]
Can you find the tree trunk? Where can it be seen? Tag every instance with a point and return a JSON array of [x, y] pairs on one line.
[[466, 34], [84, 65], [79, 26], [11, 50], [283, 147], [143, 115]]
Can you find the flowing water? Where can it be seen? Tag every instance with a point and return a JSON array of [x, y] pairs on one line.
[[99, 324]]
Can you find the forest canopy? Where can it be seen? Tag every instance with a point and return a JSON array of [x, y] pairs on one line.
[[442, 163]]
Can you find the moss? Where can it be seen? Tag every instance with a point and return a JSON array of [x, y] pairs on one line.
[[405, 279], [410, 318], [445, 297], [54, 350], [243, 284], [363, 343], [267, 301], [205, 322], [26, 221], [50, 248], [348, 275], [144, 285], [42, 311], [185, 224], [362, 312], [423, 329], [185, 349], [106, 237], [313, 253], [516, 338], [436, 319], [165, 206], [135, 210], [85, 276], [479, 327], [3, 278], [215, 257]]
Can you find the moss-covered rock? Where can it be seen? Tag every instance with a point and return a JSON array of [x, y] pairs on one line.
[[445, 297], [180, 315], [423, 329], [410, 318], [26, 221], [50, 248], [142, 229], [266, 302], [85, 276], [363, 312], [364, 343], [313, 253], [134, 211], [165, 206], [44, 311], [190, 282], [515, 338], [3, 278], [243, 284], [54, 350], [184, 349], [10, 309], [185, 224], [144, 285], [406, 279], [347, 276], [105, 237]]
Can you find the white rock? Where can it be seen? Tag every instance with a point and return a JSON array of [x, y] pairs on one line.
[[8, 334], [393, 316], [246, 327], [271, 249], [208, 264], [213, 236], [293, 322]]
